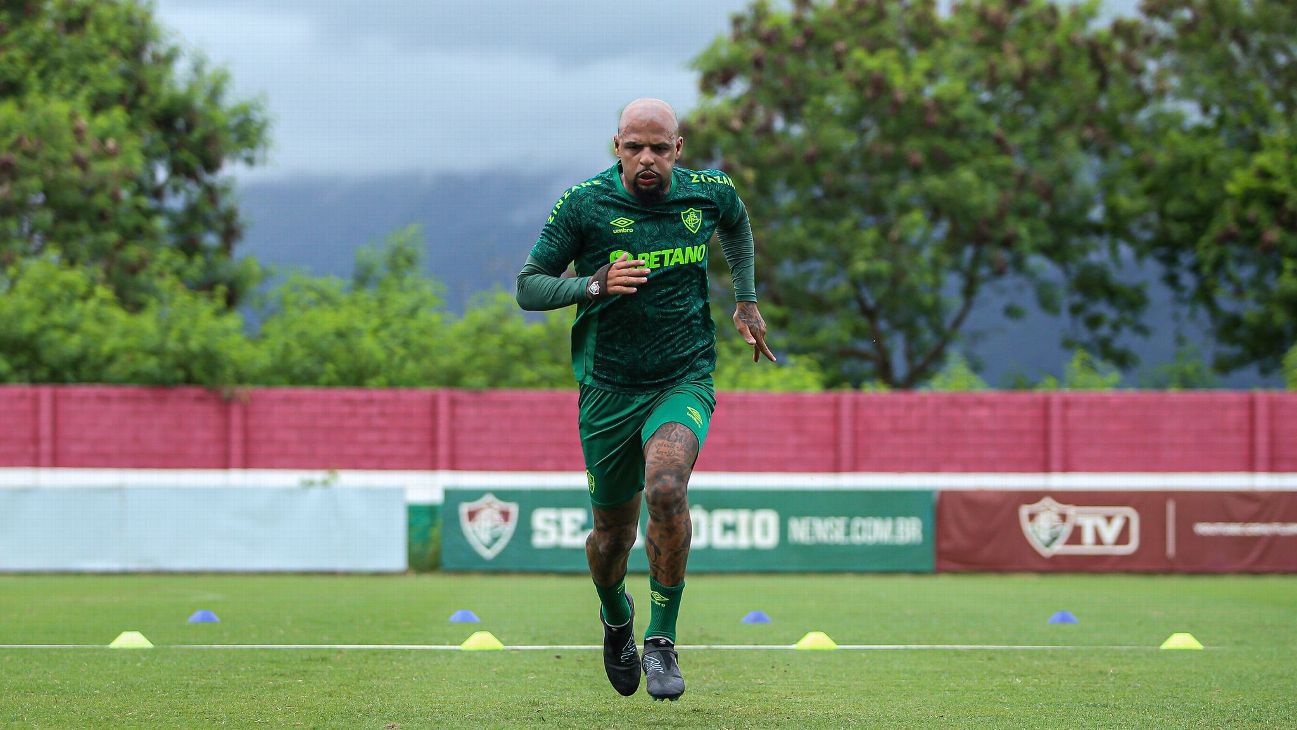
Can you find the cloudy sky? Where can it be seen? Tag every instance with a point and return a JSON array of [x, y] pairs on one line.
[[362, 88], [375, 87]]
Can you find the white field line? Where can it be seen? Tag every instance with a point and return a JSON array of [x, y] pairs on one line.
[[53, 646], [979, 647], [591, 647]]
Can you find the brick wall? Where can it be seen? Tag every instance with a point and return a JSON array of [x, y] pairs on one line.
[[346, 428], [19, 426], [1187, 432], [138, 428], [792, 432], [1277, 418], [956, 432]]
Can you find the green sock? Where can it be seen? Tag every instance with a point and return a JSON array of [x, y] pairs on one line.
[[666, 607], [616, 609]]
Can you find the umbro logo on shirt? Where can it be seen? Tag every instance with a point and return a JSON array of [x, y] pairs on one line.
[[622, 225]]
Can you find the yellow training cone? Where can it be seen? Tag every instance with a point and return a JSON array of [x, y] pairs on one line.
[[130, 640], [816, 640], [481, 641], [1181, 641]]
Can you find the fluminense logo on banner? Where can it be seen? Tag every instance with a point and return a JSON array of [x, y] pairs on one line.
[[488, 524], [1065, 529]]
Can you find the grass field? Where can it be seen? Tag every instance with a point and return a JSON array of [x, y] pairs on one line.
[[1112, 674]]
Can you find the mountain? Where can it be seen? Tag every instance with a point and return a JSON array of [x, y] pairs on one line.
[[479, 229]]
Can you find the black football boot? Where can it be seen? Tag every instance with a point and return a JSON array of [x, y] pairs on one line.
[[662, 669], [620, 654]]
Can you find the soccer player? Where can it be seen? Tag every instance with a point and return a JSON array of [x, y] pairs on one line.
[[643, 350]]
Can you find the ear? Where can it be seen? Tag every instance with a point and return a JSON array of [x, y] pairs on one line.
[[616, 143], [680, 145]]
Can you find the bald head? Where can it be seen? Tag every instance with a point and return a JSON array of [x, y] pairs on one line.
[[654, 112], [648, 143]]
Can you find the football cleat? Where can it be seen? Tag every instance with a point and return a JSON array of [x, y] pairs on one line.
[[662, 669], [620, 654]]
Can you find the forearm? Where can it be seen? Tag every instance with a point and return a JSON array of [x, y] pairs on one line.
[[740, 254], [540, 290]]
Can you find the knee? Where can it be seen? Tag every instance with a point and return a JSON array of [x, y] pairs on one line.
[[617, 541], [665, 491]]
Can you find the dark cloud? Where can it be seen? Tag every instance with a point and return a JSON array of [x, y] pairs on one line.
[[360, 89], [570, 33], [432, 86]]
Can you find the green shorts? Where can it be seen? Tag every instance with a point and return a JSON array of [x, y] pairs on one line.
[[615, 427]]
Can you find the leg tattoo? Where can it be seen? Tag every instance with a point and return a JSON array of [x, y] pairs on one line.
[[611, 540], [669, 459]]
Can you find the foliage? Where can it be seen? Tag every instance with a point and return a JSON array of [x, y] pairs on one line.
[[957, 375], [111, 150], [791, 373], [1186, 372], [736, 371], [494, 346], [386, 327], [59, 325], [1290, 368], [1217, 157], [896, 161], [382, 329], [389, 327], [1084, 372]]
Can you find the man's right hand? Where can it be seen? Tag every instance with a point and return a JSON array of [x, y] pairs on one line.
[[622, 276]]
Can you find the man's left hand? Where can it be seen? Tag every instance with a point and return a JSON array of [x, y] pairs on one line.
[[753, 328]]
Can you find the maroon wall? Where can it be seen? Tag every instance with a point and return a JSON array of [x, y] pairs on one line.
[[349, 428]]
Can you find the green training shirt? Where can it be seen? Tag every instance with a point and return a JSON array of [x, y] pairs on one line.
[[663, 334]]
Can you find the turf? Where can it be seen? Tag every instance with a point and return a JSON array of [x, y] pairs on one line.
[[1243, 679]]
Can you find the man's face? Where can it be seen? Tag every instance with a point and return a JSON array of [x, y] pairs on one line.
[[648, 150]]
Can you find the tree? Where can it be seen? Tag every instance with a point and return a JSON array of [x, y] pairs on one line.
[[896, 162], [494, 346], [1084, 372], [957, 375], [389, 327], [1290, 368], [736, 371], [59, 325], [1188, 371], [1218, 159], [384, 328], [111, 150]]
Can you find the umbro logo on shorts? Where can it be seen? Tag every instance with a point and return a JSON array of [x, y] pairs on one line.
[[695, 415]]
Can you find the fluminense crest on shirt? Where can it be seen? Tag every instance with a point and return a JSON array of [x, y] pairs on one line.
[[693, 219]]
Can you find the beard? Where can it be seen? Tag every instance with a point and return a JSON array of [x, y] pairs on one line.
[[654, 194]]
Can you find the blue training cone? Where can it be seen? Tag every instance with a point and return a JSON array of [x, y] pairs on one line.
[[203, 616], [1063, 617], [464, 616], [756, 617]]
